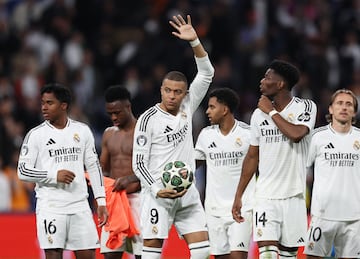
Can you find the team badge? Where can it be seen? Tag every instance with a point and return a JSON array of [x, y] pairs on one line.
[[356, 145], [24, 150], [238, 142], [259, 232], [76, 138], [50, 239], [290, 117], [154, 230], [311, 246], [183, 115], [141, 140]]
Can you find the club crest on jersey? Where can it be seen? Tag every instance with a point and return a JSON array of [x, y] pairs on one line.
[[183, 115], [154, 230], [290, 117], [238, 142], [356, 145], [76, 138], [259, 233], [24, 150], [141, 140]]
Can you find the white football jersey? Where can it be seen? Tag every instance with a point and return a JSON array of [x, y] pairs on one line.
[[282, 162], [161, 137], [46, 150], [224, 156], [336, 159]]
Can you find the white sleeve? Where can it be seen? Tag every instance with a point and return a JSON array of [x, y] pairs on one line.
[[199, 147], [141, 152], [254, 130], [92, 166], [312, 152], [200, 85], [26, 166]]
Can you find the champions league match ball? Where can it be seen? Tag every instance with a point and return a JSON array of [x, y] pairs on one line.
[[177, 176]]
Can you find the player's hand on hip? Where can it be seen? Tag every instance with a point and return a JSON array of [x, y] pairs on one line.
[[236, 211], [185, 30], [103, 215], [170, 194], [65, 176]]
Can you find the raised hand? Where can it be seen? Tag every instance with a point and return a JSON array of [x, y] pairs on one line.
[[185, 30]]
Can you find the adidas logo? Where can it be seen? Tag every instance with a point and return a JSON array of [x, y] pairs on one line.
[[241, 245], [168, 129], [264, 123], [212, 145], [329, 146], [50, 142], [301, 240]]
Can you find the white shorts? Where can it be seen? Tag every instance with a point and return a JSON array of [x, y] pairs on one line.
[[131, 245], [158, 214], [67, 231], [323, 234], [283, 220], [227, 235]]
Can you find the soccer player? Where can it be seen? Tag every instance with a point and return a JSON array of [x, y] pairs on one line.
[[279, 143], [223, 146], [54, 155], [163, 134], [335, 207], [116, 161]]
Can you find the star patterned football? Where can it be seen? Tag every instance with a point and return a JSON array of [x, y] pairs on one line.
[[177, 176]]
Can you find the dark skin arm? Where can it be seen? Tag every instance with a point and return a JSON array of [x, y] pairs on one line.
[[249, 167], [293, 132]]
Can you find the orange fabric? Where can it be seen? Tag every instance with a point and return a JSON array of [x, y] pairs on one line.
[[20, 201], [120, 222]]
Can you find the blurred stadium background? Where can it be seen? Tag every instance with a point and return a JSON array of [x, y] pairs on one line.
[[92, 44]]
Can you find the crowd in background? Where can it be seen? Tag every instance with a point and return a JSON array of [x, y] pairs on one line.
[[89, 45]]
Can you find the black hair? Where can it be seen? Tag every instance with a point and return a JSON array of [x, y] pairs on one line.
[[289, 72], [61, 92], [226, 96], [176, 76], [117, 93]]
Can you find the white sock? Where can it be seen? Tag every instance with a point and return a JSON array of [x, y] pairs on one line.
[[268, 252], [287, 254], [199, 250], [151, 252]]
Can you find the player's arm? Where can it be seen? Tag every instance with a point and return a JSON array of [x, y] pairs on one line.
[[295, 132], [140, 159], [249, 167], [26, 166], [203, 78], [92, 166], [105, 155]]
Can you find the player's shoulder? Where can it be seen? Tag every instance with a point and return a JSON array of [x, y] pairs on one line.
[[356, 130], [149, 118], [242, 125], [308, 103], [77, 124], [320, 131], [36, 131]]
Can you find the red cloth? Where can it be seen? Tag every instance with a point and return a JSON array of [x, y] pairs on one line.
[[120, 223]]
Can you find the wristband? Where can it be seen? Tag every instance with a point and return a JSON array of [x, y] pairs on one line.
[[273, 112], [194, 43], [101, 201]]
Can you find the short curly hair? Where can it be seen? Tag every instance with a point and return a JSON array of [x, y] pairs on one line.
[[289, 72]]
